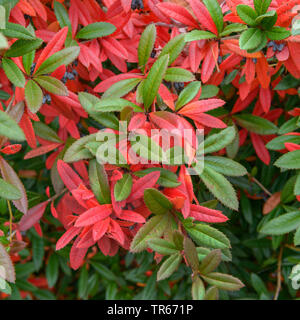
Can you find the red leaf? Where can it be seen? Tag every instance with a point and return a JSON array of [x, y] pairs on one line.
[[260, 149], [41, 150], [67, 237], [77, 255], [132, 216], [53, 46], [204, 214], [33, 216], [116, 232], [68, 176], [100, 228], [9, 175], [265, 99], [138, 188], [94, 215], [198, 107], [203, 15], [178, 13], [11, 149], [208, 120]]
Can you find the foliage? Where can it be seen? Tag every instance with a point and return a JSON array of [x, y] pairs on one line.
[[83, 81]]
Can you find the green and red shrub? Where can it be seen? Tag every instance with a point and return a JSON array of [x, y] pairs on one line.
[[81, 79]]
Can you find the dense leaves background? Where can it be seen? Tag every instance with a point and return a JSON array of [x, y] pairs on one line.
[[70, 68]]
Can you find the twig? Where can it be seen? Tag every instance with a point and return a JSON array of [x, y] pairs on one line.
[[260, 185], [278, 286], [57, 195], [10, 220]]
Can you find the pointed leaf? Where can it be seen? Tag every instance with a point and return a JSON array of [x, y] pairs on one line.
[[33, 96]]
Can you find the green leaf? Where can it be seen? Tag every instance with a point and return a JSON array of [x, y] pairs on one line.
[[188, 94], [209, 91], [22, 47], [233, 28], [287, 193], [78, 150], [288, 82], [14, 30], [13, 73], [146, 148], [212, 294], [190, 254], [121, 88], [247, 14], [256, 124], [297, 237], [258, 284], [218, 141], [278, 142], [9, 128], [146, 45], [96, 30], [278, 33], [3, 42], [115, 105], [261, 6], [62, 15], [99, 182], [223, 281], [37, 252], [33, 96], [153, 228], [28, 59], [296, 27], [199, 35], [169, 266], [45, 132], [205, 235], [62, 57], [162, 246], [297, 185], [123, 187], [52, 85], [283, 224], [210, 262], [2, 17], [107, 119], [215, 11], [198, 289], [52, 270], [154, 79], [156, 202], [267, 20], [251, 38], [178, 75], [83, 282], [220, 187], [225, 166], [7, 264], [290, 160], [173, 48], [9, 191]]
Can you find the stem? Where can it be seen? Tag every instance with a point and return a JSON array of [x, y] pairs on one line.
[[260, 185], [10, 220], [278, 286], [57, 195]]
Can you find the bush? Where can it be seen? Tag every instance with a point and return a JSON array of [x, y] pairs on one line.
[[149, 149]]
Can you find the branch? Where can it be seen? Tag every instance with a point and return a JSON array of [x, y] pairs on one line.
[[278, 286]]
